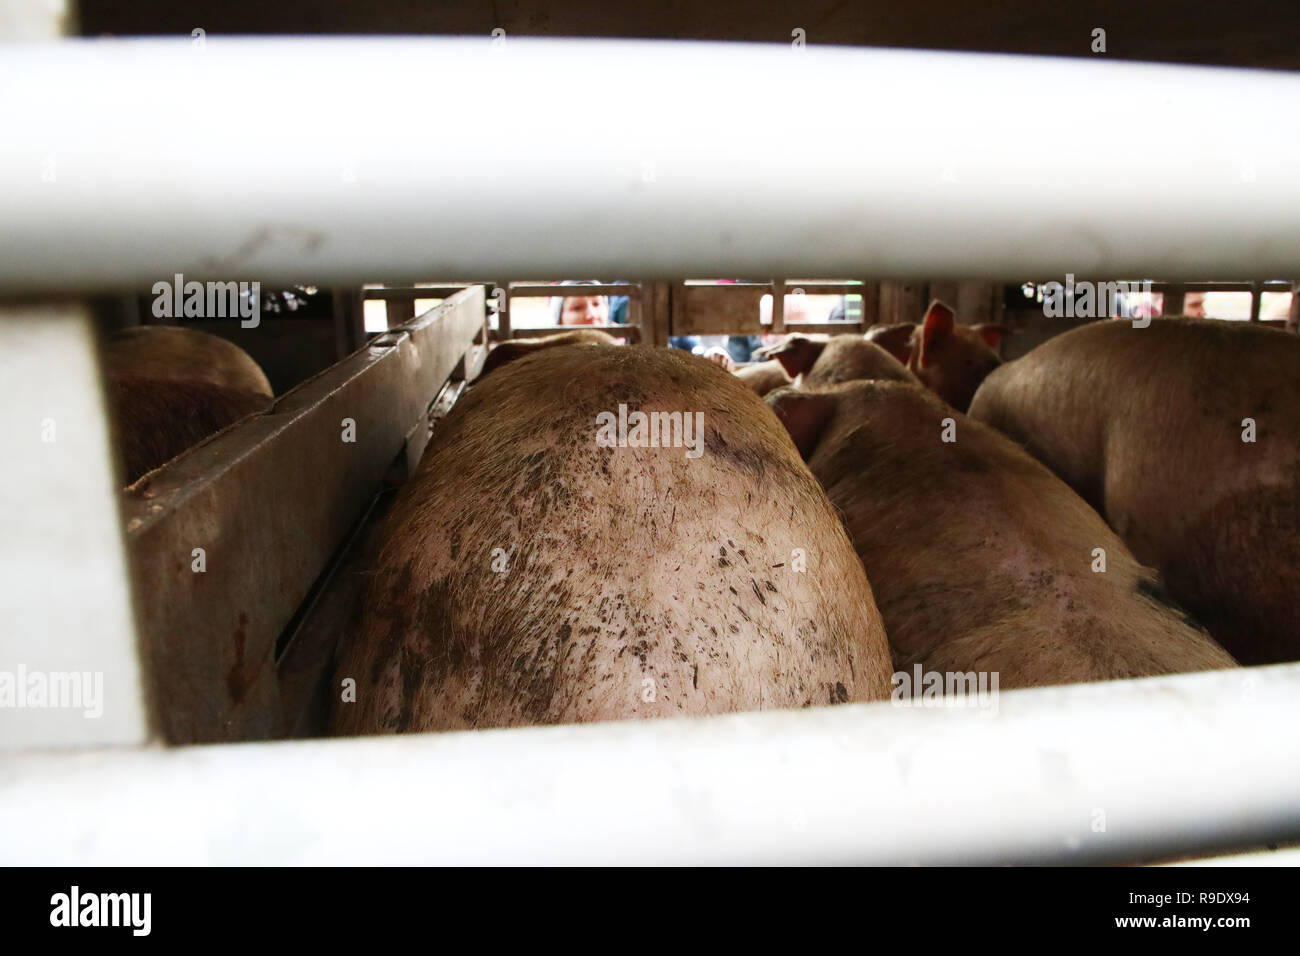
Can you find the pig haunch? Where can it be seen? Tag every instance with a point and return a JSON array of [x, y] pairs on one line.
[[980, 559], [1147, 425], [817, 362], [513, 349], [529, 575], [170, 387], [763, 377], [172, 353], [154, 420]]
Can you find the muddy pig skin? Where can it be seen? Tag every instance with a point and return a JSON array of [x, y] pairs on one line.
[[841, 358], [517, 348], [763, 377], [1147, 425], [950, 359], [185, 355], [629, 581], [979, 557]]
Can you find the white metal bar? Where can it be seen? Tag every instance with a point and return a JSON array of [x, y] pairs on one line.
[[123, 162], [26, 20], [1281, 856], [70, 662], [1126, 770]]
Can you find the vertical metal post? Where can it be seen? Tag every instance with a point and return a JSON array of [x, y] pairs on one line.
[[68, 642], [778, 306], [503, 314]]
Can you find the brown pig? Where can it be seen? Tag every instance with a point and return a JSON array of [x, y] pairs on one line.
[[155, 419], [950, 359], [841, 358], [185, 355], [763, 377], [545, 566], [169, 388], [981, 559], [1185, 435], [513, 349]]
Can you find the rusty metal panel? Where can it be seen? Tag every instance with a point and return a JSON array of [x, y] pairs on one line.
[[269, 501], [472, 365]]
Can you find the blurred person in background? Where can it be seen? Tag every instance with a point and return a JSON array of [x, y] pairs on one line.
[[1193, 305], [580, 309]]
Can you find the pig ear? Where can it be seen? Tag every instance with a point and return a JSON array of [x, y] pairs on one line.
[[992, 334], [797, 354], [894, 339], [936, 327], [804, 415]]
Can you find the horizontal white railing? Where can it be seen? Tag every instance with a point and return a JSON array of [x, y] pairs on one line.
[[1127, 770], [125, 161]]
